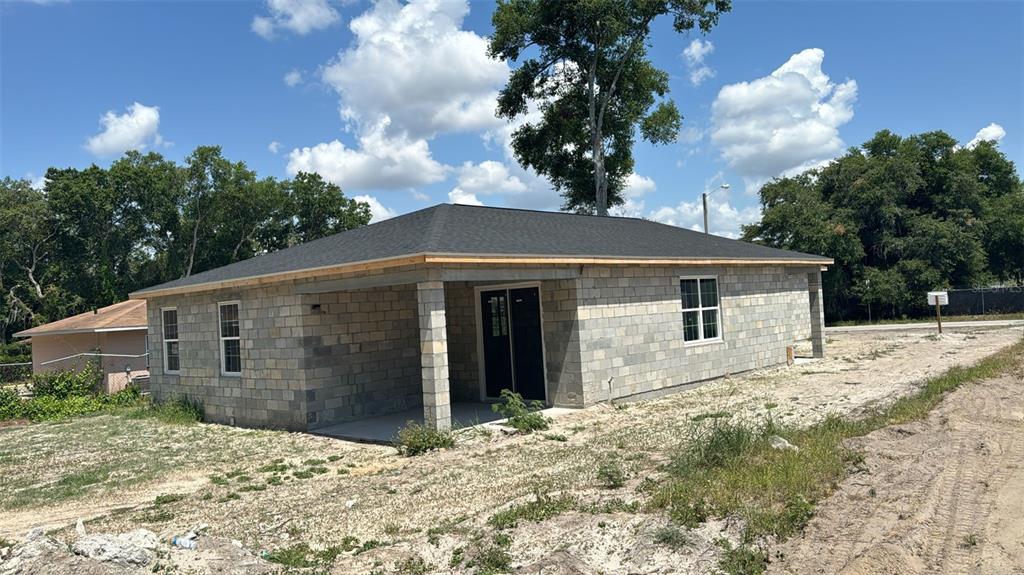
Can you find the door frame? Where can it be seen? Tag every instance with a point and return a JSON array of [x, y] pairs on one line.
[[481, 371]]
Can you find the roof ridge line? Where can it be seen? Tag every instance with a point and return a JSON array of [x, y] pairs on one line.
[[436, 228]]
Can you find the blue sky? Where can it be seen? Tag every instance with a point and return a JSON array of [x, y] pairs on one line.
[[394, 101]]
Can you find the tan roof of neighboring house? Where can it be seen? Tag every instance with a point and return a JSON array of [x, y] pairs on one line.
[[122, 316]]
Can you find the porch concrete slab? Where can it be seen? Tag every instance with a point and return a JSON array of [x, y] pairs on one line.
[[384, 428]]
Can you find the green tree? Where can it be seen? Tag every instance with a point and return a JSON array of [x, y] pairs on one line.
[[321, 209], [901, 216], [587, 70]]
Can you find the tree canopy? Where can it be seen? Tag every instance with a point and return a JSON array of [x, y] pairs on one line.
[[901, 216], [586, 69], [94, 235]]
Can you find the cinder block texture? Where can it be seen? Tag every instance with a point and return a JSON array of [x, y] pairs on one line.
[[631, 329], [310, 360], [269, 391]]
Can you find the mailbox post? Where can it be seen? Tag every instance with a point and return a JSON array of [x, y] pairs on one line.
[[938, 299]]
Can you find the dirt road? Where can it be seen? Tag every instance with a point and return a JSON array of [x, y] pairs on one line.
[[944, 495]]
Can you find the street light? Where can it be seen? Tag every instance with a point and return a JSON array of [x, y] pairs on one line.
[[704, 197]]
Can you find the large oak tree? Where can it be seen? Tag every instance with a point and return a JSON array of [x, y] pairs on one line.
[[585, 67]]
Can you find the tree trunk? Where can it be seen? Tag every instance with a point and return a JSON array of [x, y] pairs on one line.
[[192, 249]]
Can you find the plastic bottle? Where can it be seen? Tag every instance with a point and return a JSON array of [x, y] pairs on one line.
[[184, 542]]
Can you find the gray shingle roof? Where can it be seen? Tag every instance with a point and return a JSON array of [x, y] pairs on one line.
[[474, 230]]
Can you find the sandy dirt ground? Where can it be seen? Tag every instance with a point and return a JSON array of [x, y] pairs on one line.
[[431, 507], [943, 495]]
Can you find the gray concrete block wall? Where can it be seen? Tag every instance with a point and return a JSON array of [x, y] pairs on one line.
[[268, 393], [463, 367], [562, 342], [630, 320], [361, 354]]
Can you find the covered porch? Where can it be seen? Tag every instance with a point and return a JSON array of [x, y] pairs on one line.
[[437, 346]]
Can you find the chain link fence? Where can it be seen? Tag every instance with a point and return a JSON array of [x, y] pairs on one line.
[[11, 373]]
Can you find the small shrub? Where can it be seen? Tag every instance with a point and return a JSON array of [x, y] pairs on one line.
[[50, 408], [303, 474], [555, 437], [611, 475], [671, 536], [68, 383], [524, 418], [416, 439], [11, 406]]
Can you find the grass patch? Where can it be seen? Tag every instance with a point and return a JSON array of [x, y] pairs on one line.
[[489, 557], [417, 439], [542, 508], [610, 474], [730, 469], [713, 415], [168, 498]]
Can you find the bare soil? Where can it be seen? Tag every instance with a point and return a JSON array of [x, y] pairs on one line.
[[435, 507], [943, 495]]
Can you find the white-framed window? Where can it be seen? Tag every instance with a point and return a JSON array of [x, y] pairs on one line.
[[172, 352], [230, 343], [702, 320]]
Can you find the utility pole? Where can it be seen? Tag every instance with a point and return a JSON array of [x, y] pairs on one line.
[[704, 199]]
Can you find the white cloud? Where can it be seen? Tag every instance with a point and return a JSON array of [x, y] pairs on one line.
[[489, 177], [274, 147], [136, 129], [783, 122], [458, 196], [298, 16], [990, 133], [419, 196], [413, 64], [637, 186], [633, 205], [37, 183], [378, 211], [724, 218], [293, 78], [380, 162], [694, 55]]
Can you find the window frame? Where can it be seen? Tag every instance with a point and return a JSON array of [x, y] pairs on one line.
[[165, 340], [700, 309], [222, 338]]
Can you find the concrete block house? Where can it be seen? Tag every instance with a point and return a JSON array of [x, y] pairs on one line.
[[454, 303]]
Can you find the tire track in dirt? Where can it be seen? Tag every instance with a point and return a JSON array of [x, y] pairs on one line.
[[929, 500]]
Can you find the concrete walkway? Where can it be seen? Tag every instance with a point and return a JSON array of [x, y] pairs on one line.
[[950, 325]]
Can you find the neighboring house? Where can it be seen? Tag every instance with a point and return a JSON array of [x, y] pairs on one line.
[[458, 302], [115, 336]]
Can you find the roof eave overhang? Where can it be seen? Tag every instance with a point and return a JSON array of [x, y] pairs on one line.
[[482, 259], [31, 333]]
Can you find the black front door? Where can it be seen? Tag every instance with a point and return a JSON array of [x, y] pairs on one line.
[[513, 348]]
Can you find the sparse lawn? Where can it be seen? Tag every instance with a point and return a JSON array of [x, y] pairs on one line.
[[315, 503]]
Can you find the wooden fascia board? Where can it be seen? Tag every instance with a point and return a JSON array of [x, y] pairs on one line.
[[442, 259]]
